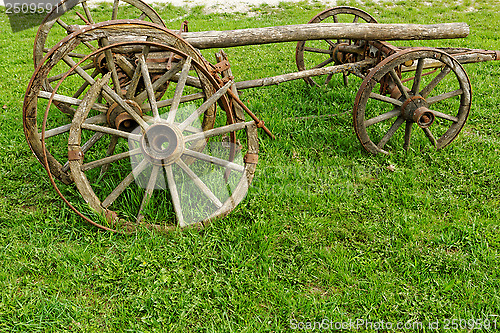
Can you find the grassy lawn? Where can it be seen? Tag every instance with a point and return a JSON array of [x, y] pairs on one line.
[[326, 231]]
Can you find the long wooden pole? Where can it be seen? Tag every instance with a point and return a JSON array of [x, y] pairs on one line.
[[317, 31], [275, 80]]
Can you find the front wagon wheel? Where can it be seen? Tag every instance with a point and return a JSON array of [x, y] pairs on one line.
[[168, 169]]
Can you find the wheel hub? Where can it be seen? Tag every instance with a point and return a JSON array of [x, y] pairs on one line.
[[416, 109], [338, 56], [100, 64], [162, 143], [118, 118]]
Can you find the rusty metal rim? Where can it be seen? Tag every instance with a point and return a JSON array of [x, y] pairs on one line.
[[245, 176]]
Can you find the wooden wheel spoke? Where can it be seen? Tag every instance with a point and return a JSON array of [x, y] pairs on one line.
[[85, 85], [124, 184], [356, 19], [167, 102], [445, 116], [87, 12], [201, 185], [67, 28], [83, 74], [316, 50], [125, 65], [214, 160], [109, 159], [192, 129], [99, 119], [71, 54], [395, 126], [159, 82], [85, 148], [382, 117], [324, 63], [346, 79], [149, 191], [110, 151], [217, 131], [64, 25], [111, 65], [149, 87], [132, 88], [114, 13], [386, 99], [442, 97], [142, 16], [111, 131], [61, 75], [418, 76], [335, 18], [114, 96], [79, 118], [204, 107], [191, 81], [399, 84], [175, 195], [328, 79], [181, 83], [108, 93], [70, 100], [90, 46], [433, 84], [408, 127], [430, 136]]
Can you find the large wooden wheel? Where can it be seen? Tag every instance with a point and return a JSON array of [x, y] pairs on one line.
[[426, 90], [127, 83], [52, 30], [198, 173], [320, 53]]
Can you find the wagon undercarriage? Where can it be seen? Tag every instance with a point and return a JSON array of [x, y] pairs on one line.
[[125, 107]]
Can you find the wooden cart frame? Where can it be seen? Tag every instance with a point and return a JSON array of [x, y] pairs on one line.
[[129, 66]]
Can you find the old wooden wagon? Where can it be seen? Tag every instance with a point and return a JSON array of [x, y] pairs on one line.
[[123, 107]]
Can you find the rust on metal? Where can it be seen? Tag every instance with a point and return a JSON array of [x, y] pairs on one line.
[[111, 217], [260, 124], [118, 118], [251, 158], [222, 66], [424, 117], [75, 154]]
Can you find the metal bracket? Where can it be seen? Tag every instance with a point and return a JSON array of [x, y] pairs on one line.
[[251, 158], [497, 55], [226, 79], [75, 155], [111, 217], [222, 66]]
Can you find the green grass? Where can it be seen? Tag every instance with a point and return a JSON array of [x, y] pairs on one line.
[[326, 230]]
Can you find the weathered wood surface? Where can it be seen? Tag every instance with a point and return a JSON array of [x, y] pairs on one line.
[[316, 31], [275, 80]]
